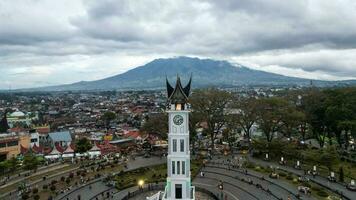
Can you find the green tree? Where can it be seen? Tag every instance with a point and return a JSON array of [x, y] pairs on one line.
[[229, 136], [291, 119], [326, 157], [4, 166], [30, 162], [83, 145], [156, 124], [13, 163], [276, 148], [193, 122], [246, 114], [329, 157], [340, 115], [108, 117], [348, 127], [315, 111], [209, 106], [270, 116]]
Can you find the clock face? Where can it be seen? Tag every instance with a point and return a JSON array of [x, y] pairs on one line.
[[178, 120]]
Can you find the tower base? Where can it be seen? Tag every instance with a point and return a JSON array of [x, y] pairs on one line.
[[163, 195]]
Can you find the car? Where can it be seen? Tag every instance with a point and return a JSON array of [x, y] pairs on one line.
[[304, 189], [351, 186], [274, 175]]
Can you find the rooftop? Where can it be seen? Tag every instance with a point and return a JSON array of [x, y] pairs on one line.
[[60, 136]]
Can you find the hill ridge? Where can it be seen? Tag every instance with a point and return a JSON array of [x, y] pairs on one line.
[[206, 72]]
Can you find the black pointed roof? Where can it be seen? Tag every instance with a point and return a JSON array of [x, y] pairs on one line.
[[178, 94], [4, 126], [187, 87], [170, 89]]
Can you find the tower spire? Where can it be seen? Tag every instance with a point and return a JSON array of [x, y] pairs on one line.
[[178, 94]]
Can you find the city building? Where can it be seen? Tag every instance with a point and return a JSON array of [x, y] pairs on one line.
[[19, 118], [63, 139], [9, 146], [12, 143]]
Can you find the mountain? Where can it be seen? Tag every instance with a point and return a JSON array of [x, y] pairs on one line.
[[206, 72]]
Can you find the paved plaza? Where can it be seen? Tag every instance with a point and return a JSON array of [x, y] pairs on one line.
[[238, 185]]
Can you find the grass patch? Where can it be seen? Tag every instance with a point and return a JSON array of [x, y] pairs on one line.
[[153, 174]]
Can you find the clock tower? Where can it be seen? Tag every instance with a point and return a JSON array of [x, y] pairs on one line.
[[178, 160]]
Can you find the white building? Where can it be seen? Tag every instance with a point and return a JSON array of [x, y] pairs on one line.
[[35, 139], [19, 117], [179, 184]]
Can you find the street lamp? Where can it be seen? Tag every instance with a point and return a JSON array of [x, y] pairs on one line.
[[221, 188], [141, 183], [221, 185]]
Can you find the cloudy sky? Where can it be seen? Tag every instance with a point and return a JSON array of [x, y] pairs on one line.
[[54, 42]]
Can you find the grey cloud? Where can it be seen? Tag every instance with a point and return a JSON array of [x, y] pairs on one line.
[[332, 61]]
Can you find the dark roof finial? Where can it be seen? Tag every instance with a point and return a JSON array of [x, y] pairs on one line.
[[170, 89], [186, 89], [178, 94]]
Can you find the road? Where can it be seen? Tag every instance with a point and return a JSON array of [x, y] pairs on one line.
[[324, 182], [88, 191], [42, 170], [237, 184], [234, 187], [246, 184]]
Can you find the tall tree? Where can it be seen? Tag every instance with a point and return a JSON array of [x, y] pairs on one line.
[[229, 136], [292, 119], [315, 109], [328, 157], [193, 122], [209, 106], [30, 162], [246, 114], [340, 115], [108, 117], [13, 163], [83, 145], [348, 127], [156, 124], [270, 115]]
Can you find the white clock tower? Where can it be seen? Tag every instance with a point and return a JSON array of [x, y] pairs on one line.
[[178, 160]]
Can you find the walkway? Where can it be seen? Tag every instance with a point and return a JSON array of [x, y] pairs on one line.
[[86, 193], [324, 182], [40, 171]]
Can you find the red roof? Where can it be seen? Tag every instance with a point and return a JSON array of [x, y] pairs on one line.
[[59, 148], [23, 150], [17, 129], [37, 149], [43, 130], [133, 134], [47, 150], [106, 148]]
